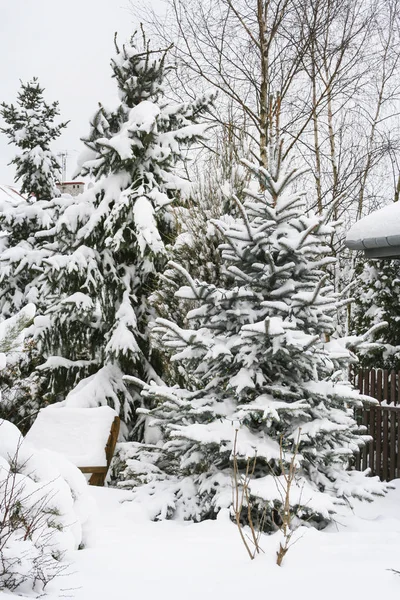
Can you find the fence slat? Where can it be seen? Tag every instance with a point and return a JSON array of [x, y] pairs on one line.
[[392, 458], [371, 430], [386, 386], [360, 380], [385, 445], [398, 388], [393, 387], [378, 430], [398, 442], [365, 420], [366, 382]]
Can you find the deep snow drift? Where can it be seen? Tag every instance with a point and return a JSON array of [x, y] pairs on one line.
[[134, 558]]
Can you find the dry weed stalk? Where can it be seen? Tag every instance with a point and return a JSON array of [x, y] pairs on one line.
[[241, 499], [285, 513]]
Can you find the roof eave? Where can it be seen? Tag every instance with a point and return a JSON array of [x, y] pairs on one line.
[[377, 247]]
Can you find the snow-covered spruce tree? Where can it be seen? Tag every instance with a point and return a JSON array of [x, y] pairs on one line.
[[21, 256], [30, 126], [256, 354], [377, 299], [218, 180], [106, 246]]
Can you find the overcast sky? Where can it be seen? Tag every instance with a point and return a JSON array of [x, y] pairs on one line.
[[67, 44]]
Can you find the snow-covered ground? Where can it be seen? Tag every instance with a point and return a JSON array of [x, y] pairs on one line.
[[130, 557]]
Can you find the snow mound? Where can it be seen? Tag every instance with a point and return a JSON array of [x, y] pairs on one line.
[[50, 507]]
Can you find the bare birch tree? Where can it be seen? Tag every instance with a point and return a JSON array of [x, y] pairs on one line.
[[327, 67], [325, 72]]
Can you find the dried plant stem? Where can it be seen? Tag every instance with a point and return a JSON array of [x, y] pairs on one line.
[[286, 513], [241, 498]]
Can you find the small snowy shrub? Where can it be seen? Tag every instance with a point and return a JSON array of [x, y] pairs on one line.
[[44, 509]]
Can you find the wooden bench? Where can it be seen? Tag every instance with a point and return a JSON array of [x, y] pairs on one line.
[[85, 436], [99, 474]]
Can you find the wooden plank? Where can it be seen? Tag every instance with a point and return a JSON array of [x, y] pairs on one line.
[[385, 444], [398, 449], [386, 385], [393, 387], [98, 478], [364, 461], [357, 464], [366, 382], [371, 429], [93, 469], [357, 415], [112, 440], [378, 384], [373, 384], [392, 456], [378, 426], [364, 420], [398, 388]]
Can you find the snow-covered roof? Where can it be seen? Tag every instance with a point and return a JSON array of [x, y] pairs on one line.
[[9, 194], [71, 183], [378, 234]]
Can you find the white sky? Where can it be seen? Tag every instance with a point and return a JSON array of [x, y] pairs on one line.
[[67, 44]]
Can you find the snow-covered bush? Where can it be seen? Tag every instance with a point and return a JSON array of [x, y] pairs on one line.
[[44, 503], [256, 354], [44, 512]]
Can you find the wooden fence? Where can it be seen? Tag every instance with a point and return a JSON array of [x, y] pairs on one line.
[[382, 454]]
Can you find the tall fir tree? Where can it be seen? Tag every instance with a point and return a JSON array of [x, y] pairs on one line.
[[22, 256], [98, 255], [256, 358], [30, 126], [377, 300]]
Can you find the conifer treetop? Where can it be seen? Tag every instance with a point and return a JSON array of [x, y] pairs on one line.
[[139, 72], [30, 126], [138, 69]]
